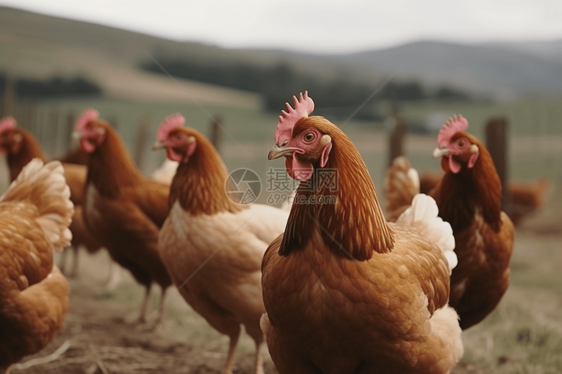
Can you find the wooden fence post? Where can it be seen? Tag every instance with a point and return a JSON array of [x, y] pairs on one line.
[[53, 132], [497, 143], [396, 138], [216, 132], [8, 98], [113, 121], [69, 129], [30, 117], [140, 141]]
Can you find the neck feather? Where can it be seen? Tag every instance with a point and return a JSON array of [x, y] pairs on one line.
[[355, 223], [110, 167], [199, 183], [29, 150], [459, 196]]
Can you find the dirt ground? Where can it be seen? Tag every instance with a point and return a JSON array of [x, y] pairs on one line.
[[102, 342]]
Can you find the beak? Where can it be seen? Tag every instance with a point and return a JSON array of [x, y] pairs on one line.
[[278, 151], [76, 135], [159, 144], [440, 152]]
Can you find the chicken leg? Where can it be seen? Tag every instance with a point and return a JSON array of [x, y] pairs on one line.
[[259, 357], [161, 310], [232, 347], [141, 317]]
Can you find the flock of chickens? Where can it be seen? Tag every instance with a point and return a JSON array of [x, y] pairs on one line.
[[331, 288]]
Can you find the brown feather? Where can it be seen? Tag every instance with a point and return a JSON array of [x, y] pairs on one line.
[[110, 166], [399, 190], [199, 184], [29, 150], [357, 204], [326, 312], [128, 209], [460, 195], [33, 293], [471, 202], [75, 178]]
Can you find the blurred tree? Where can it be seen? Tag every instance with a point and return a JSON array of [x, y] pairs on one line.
[[277, 84], [55, 87], [448, 93]]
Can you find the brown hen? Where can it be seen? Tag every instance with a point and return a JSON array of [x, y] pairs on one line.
[[469, 198], [34, 216]]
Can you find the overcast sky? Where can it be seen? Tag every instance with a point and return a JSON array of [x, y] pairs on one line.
[[317, 26]]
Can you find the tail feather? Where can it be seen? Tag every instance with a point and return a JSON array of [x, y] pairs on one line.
[[401, 184], [423, 215], [45, 187]]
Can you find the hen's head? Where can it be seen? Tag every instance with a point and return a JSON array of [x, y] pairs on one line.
[[179, 141], [10, 137], [457, 148], [300, 139], [90, 130]]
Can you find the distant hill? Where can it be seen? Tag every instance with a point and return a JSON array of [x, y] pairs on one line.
[[549, 49], [512, 70], [41, 46]]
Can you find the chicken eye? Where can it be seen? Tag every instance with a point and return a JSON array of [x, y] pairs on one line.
[[178, 136], [461, 143], [309, 137]]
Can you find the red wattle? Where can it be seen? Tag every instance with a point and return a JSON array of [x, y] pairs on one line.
[[173, 156], [472, 159], [87, 146], [454, 165], [297, 169]]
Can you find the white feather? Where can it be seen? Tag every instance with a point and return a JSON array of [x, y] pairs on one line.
[[414, 178], [423, 215], [47, 180], [166, 172]]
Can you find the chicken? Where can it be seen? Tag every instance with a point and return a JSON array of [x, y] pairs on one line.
[[469, 198], [212, 246], [165, 173], [523, 198], [406, 184], [34, 216], [124, 209], [21, 147], [345, 291], [75, 156]]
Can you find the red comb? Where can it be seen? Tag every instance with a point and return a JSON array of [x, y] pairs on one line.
[[453, 125], [7, 123], [87, 116], [287, 120], [171, 123]]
